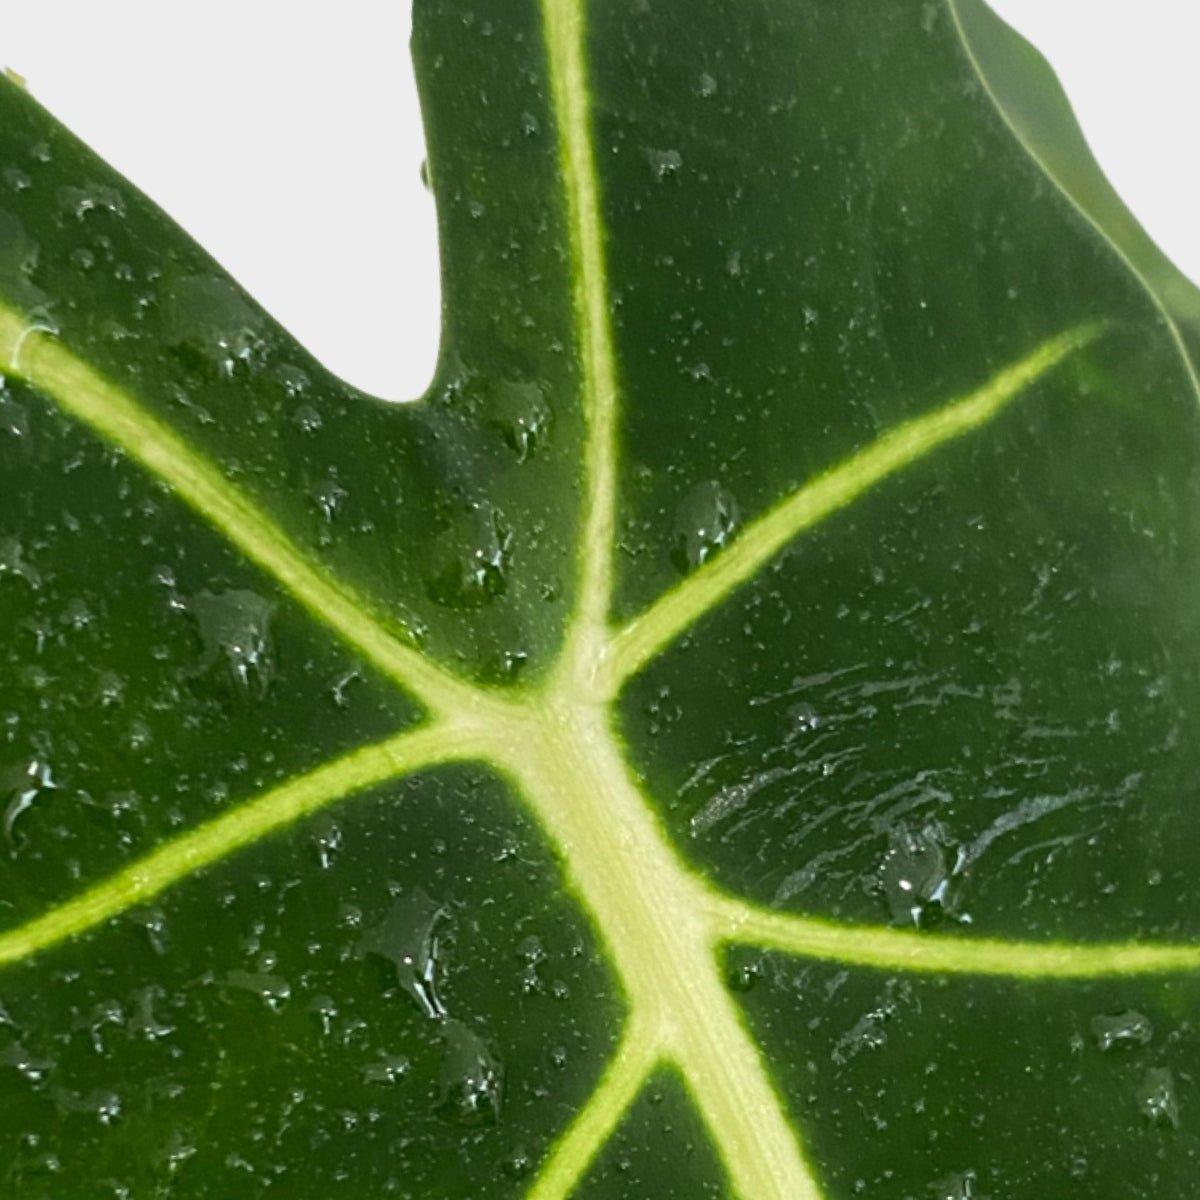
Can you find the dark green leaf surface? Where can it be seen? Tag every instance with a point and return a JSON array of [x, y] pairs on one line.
[[733, 737]]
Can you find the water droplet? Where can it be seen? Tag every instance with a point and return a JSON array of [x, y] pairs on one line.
[[868, 1033], [663, 162], [293, 380], [324, 1008], [518, 1163], [274, 990], [307, 418], [17, 179], [523, 416], [504, 667], [471, 560], [407, 937], [706, 85], [32, 1066], [143, 1021], [328, 495], [705, 522], [743, 971], [1123, 1030], [18, 261], [13, 564], [235, 631], [804, 718], [532, 954], [14, 420], [914, 876], [959, 1186], [1156, 1097], [388, 1068], [23, 785], [213, 325], [530, 126], [471, 1080], [327, 841], [93, 197]]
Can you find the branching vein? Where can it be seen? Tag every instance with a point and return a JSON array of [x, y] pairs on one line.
[[241, 826], [31, 354], [594, 1124], [909, 950], [648, 634]]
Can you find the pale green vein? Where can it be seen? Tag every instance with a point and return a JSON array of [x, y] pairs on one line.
[[911, 950], [34, 356], [646, 635], [565, 31], [593, 1125], [239, 827]]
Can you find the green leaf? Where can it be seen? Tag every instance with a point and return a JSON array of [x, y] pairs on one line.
[[730, 738]]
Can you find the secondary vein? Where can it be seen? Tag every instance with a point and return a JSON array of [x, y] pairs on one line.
[[908, 950], [648, 634], [241, 826], [594, 1124], [50, 367]]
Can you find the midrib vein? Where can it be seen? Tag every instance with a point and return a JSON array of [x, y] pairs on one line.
[[654, 922], [565, 30]]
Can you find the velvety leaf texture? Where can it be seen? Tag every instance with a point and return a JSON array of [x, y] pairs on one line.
[[734, 737]]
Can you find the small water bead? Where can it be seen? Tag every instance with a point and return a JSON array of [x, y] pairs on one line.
[[663, 162], [142, 1020], [18, 261], [471, 1080], [328, 495], [307, 418], [16, 179], [914, 877], [213, 325], [1156, 1097], [14, 420], [1125, 1030], [34, 1067], [518, 1163], [273, 989], [325, 1009], [471, 560], [705, 523], [327, 842], [523, 415], [959, 1186], [235, 632], [407, 938], [93, 197], [22, 785], [388, 1069], [13, 564]]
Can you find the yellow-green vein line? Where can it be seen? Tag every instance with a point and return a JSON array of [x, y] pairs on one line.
[[565, 31], [646, 635], [51, 368], [911, 950], [573, 1153], [239, 827]]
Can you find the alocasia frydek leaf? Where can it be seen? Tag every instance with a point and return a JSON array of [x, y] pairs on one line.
[[733, 737]]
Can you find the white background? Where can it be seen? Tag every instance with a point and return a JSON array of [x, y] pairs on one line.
[[285, 138]]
